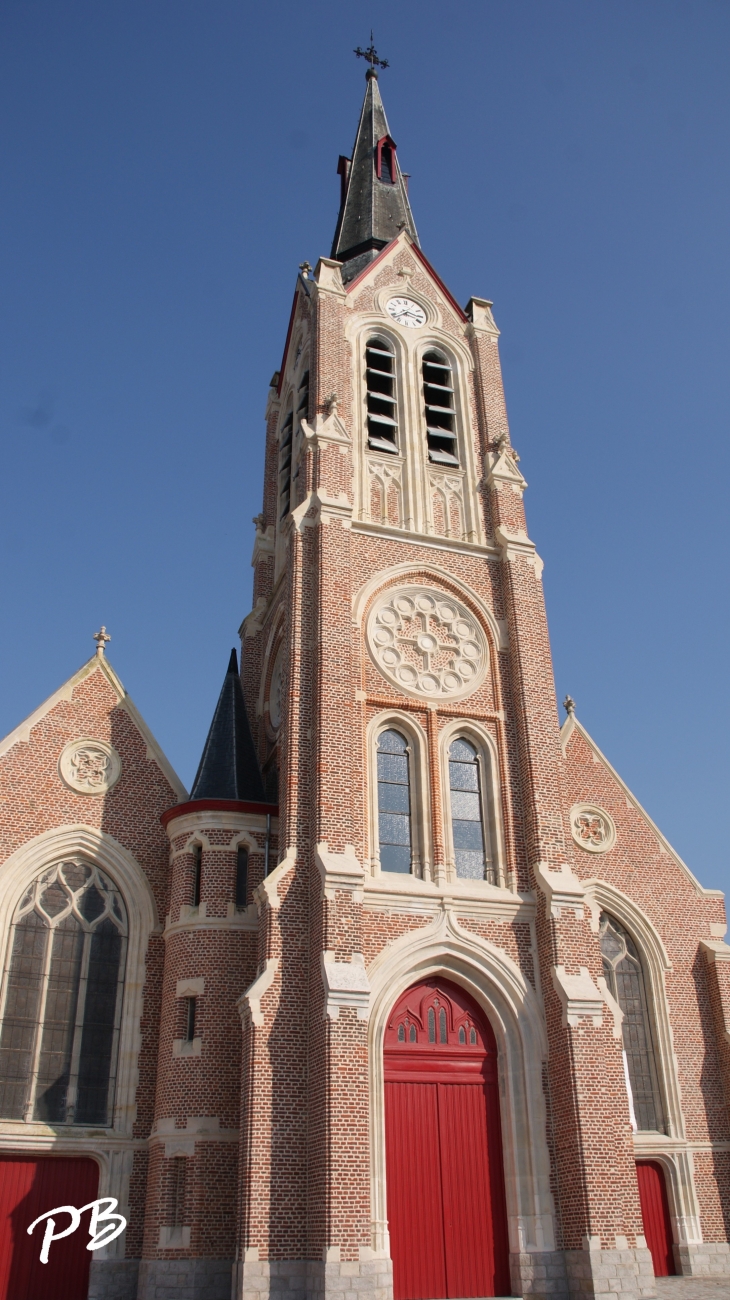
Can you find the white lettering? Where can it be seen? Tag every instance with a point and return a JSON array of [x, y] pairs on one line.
[[99, 1238]]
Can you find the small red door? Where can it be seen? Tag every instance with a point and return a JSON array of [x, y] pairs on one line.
[[29, 1187], [655, 1213], [446, 1205]]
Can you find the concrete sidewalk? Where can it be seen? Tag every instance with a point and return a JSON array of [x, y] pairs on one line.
[[693, 1288]]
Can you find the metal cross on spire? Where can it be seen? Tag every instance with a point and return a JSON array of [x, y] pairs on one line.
[[371, 54]]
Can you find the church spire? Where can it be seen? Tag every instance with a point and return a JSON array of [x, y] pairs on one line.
[[374, 205], [228, 767]]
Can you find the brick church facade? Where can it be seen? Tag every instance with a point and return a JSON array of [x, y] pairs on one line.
[[408, 997]]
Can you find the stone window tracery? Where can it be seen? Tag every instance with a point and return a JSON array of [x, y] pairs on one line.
[[624, 976], [63, 997]]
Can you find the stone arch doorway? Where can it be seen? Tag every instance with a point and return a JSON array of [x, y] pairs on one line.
[[445, 1178]]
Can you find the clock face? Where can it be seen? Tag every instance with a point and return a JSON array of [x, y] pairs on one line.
[[406, 312]]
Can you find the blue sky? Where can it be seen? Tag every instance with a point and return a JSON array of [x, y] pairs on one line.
[[166, 167]]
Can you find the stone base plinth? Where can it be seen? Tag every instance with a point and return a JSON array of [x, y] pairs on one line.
[[708, 1259], [595, 1272], [113, 1279], [185, 1279], [298, 1279], [539, 1274]]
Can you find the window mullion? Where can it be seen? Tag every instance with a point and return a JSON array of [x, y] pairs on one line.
[[111, 1091], [45, 980], [73, 1077]]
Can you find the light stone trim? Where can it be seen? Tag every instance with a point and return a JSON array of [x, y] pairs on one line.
[[246, 919], [517, 546], [339, 871], [319, 507], [267, 893], [515, 1013], [190, 823], [596, 1272], [86, 842], [579, 997], [181, 1142], [249, 1002], [326, 1279], [346, 984], [190, 988], [101, 750], [430, 540], [571, 725], [501, 467], [187, 1046], [174, 1238], [398, 573], [468, 898], [562, 889], [101, 664], [592, 810]]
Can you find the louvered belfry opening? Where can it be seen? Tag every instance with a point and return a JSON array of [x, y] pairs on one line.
[[382, 403], [438, 396], [285, 450]]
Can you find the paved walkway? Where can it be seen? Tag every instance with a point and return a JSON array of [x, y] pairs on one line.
[[693, 1288]]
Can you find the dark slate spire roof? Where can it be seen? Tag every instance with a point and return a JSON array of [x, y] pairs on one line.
[[372, 212], [228, 768]]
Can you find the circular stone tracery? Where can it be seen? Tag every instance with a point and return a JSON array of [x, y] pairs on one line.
[[427, 643]]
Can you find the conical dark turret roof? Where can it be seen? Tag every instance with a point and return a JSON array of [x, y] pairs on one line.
[[228, 768], [373, 211]]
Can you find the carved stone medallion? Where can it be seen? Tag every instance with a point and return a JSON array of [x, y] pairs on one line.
[[592, 828], [90, 766], [427, 644]]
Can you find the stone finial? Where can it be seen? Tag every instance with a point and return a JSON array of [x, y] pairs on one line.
[[101, 637], [569, 705], [331, 404], [305, 269]]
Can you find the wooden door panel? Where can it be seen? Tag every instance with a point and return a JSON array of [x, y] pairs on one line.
[[655, 1213], [29, 1187], [413, 1170]]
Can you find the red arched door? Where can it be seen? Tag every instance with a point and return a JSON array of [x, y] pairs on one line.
[[655, 1213], [446, 1205]]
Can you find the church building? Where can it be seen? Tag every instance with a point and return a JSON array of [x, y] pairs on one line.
[[408, 998]]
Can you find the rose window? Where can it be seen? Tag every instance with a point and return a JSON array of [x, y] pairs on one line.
[[426, 643]]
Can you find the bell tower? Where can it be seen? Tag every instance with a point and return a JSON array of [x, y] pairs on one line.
[[398, 679]]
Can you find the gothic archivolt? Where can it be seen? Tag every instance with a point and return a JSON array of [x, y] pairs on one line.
[[427, 643]]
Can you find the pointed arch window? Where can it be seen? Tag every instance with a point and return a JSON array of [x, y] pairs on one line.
[[394, 802], [382, 406], [438, 397], [63, 998], [624, 975], [469, 831], [385, 160]]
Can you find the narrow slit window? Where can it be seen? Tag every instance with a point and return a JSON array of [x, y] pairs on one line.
[[197, 873], [467, 814], [624, 975], [438, 397], [443, 1036], [241, 878], [462, 1035], [394, 802], [382, 407], [431, 1025], [412, 1034], [190, 1019], [385, 161], [179, 1180], [285, 453], [401, 1033]]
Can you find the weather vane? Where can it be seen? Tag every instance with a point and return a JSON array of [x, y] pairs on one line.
[[371, 54]]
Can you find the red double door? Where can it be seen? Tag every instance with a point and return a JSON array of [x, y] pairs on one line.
[[29, 1187], [446, 1205]]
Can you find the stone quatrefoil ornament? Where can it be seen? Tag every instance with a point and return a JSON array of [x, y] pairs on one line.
[[427, 643]]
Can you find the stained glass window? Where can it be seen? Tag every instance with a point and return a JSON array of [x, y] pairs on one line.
[[64, 980], [625, 978], [394, 802], [467, 814]]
